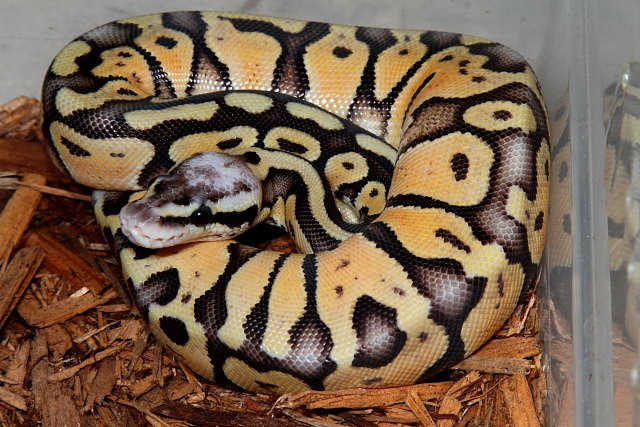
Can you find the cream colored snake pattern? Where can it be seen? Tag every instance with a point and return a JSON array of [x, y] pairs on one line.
[[459, 234]]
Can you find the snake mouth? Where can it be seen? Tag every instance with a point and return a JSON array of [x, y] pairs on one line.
[[143, 228], [141, 235]]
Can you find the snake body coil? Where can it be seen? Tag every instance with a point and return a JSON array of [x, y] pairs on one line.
[[441, 260]]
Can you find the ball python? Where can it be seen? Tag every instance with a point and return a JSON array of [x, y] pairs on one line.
[[422, 282]]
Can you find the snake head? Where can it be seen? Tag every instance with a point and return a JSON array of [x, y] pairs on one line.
[[209, 196]]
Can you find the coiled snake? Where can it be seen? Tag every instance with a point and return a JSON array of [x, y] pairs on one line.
[[413, 256]]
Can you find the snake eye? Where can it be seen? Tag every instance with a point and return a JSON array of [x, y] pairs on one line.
[[201, 216]]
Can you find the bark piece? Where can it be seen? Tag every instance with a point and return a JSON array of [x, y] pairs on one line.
[[53, 400], [15, 279], [362, 398], [519, 401], [62, 260], [17, 214]]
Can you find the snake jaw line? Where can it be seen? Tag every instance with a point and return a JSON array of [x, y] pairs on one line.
[[142, 236]]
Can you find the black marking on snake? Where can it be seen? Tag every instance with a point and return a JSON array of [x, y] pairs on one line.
[[74, 149], [348, 165], [283, 183], [160, 288], [204, 60], [547, 168], [102, 38], [489, 219], [341, 52], [127, 92], [369, 381], [403, 52], [503, 115], [203, 216], [114, 35], [452, 239], [491, 212], [183, 201], [114, 201], [415, 94], [290, 146], [120, 242], [460, 166], [501, 58], [378, 337], [251, 157], [310, 339], [434, 279], [229, 143], [289, 75], [175, 329], [111, 35], [236, 219], [352, 190], [396, 290], [167, 42], [163, 85], [110, 122], [257, 320], [517, 93], [365, 101], [539, 223], [343, 264], [500, 285], [210, 309], [437, 41]]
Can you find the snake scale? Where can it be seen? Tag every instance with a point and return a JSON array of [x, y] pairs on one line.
[[411, 168]]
